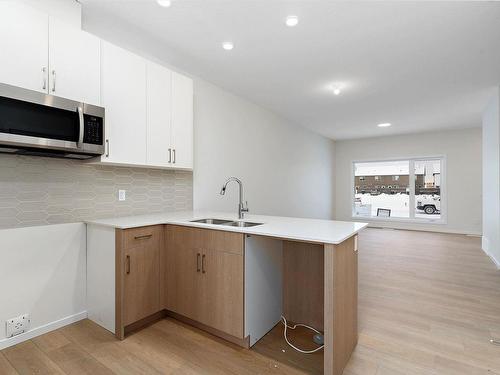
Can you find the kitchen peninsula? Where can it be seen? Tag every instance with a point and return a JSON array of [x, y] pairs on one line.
[[230, 277]]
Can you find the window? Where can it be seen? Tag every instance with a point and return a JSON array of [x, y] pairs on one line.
[[399, 189], [428, 188]]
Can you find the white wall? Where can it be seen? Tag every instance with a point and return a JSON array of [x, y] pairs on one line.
[[491, 178], [462, 149], [286, 170], [43, 273]]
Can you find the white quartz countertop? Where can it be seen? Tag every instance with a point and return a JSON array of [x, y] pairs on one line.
[[292, 228]]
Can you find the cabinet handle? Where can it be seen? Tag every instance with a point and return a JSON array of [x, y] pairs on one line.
[[128, 264], [143, 237], [53, 81], [170, 155], [198, 262], [174, 155], [203, 263], [107, 148], [44, 87]]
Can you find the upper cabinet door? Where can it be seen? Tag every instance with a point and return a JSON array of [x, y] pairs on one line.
[[182, 121], [23, 46], [123, 94], [159, 150], [74, 63]]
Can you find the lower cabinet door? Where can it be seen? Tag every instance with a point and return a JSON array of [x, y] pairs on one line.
[[141, 295], [182, 275], [203, 277], [222, 292]]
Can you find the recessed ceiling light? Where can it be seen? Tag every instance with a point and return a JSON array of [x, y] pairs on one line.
[[164, 3], [336, 88], [228, 46], [292, 21], [384, 125]]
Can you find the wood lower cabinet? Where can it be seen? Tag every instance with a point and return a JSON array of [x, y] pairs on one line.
[[182, 273], [214, 280], [138, 274], [193, 274], [222, 292], [203, 278]]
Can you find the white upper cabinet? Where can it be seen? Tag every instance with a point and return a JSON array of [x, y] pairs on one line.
[[149, 112], [148, 108], [123, 95], [159, 147], [182, 121], [169, 118], [23, 46], [44, 54], [74, 63]]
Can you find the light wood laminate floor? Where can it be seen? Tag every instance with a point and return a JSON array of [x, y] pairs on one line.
[[428, 304]]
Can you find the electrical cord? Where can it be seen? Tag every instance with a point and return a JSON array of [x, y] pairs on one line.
[[283, 320]]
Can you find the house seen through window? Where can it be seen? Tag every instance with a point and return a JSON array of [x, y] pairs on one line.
[[407, 189]]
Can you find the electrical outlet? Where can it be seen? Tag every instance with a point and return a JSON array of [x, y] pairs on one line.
[[17, 325], [122, 195]]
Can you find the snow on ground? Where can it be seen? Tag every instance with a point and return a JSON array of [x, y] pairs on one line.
[[397, 203]]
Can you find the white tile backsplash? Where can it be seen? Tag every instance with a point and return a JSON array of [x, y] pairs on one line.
[[40, 191]]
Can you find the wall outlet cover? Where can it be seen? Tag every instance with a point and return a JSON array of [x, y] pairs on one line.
[[122, 195], [16, 326]]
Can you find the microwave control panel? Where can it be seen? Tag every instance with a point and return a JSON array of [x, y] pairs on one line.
[[93, 130]]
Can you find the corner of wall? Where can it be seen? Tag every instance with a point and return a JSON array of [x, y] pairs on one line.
[[334, 178], [485, 246], [491, 178]]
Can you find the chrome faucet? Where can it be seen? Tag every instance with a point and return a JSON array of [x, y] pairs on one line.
[[242, 208]]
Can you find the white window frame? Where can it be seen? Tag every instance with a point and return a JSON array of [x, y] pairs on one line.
[[412, 219]]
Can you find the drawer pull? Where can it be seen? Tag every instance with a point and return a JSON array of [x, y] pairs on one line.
[[203, 264], [143, 237], [198, 262], [128, 264]]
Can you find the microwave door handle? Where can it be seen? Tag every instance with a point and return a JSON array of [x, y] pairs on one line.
[[79, 144]]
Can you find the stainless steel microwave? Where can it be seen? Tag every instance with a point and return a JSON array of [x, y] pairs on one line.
[[34, 123]]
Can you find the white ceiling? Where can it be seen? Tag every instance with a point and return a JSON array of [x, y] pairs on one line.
[[418, 65]]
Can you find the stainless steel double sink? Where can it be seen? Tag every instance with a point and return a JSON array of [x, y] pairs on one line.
[[230, 223]]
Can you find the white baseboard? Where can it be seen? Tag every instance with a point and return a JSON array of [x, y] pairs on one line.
[[496, 262], [5, 343], [426, 229], [485, 246]]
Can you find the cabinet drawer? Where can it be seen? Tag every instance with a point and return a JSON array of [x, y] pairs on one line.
[[216, 240], [227, 242], [142, 236], [210, 239]]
